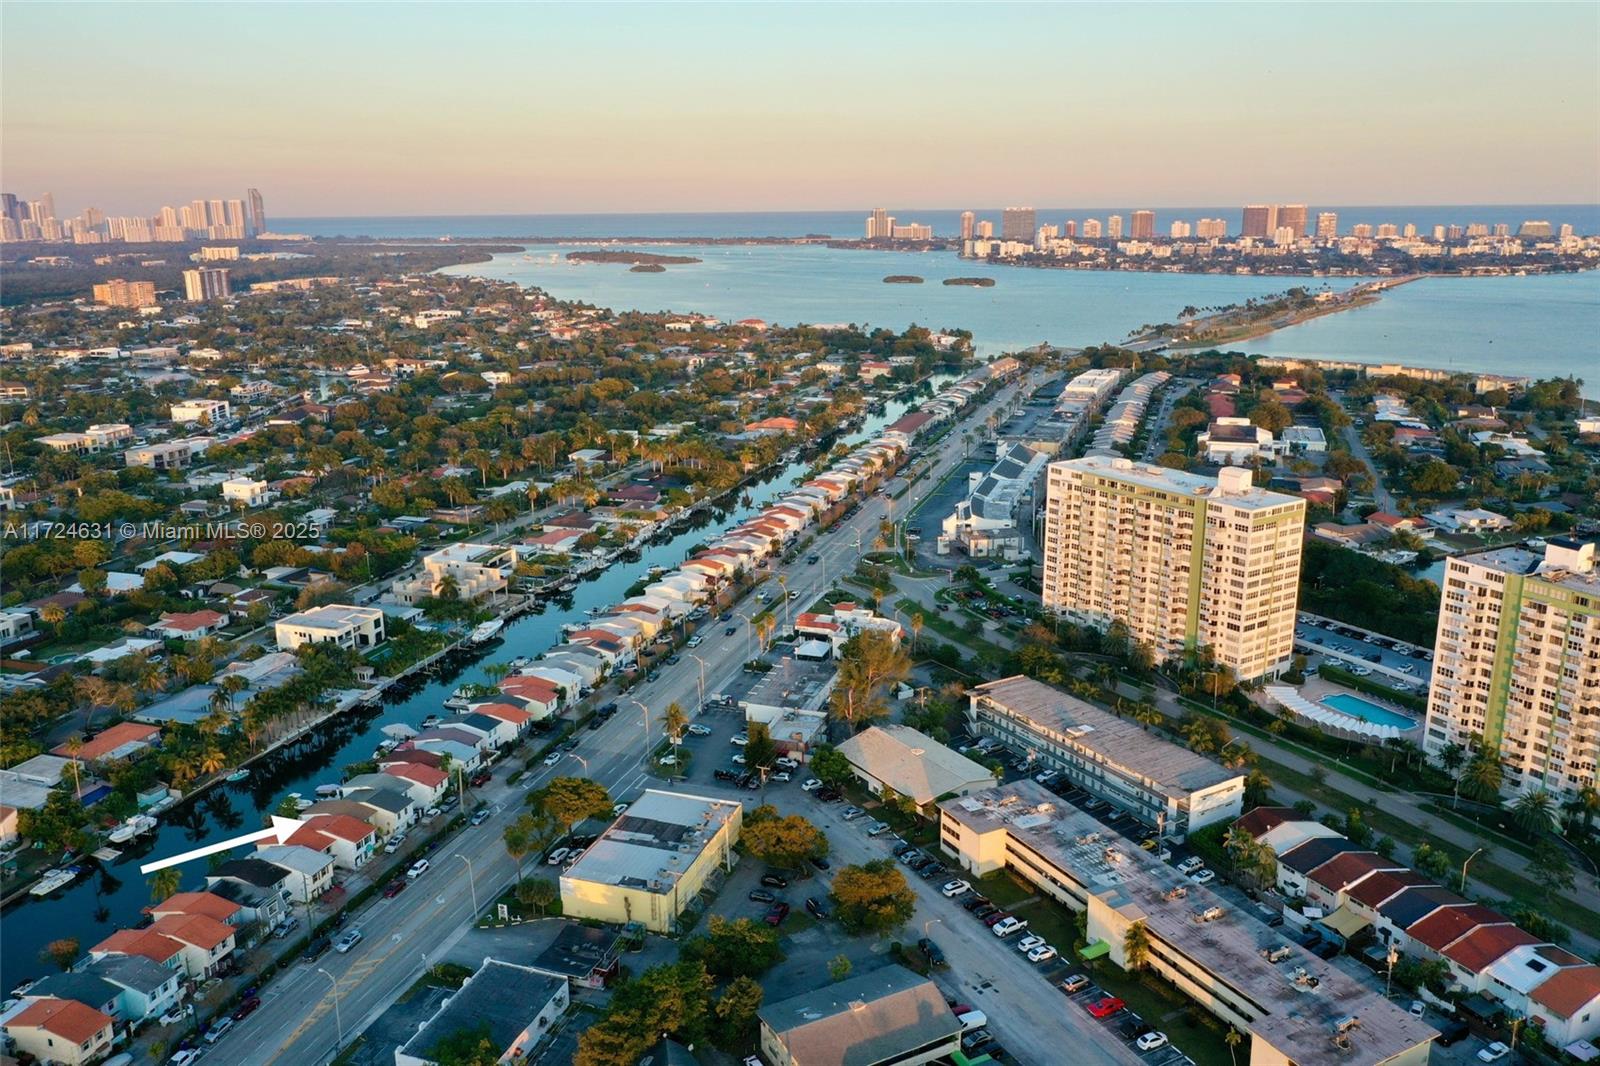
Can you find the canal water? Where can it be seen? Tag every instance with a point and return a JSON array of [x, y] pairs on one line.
[[113, 895]]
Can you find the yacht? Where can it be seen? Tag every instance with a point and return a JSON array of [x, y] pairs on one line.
[[54, 880], [138, 825], [486, 631]]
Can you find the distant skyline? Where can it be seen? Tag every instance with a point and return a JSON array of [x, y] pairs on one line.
[[470, 109]]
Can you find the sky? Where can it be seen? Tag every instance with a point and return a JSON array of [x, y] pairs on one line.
[[395, 109]]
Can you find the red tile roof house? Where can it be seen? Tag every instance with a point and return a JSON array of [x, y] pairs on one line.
[[518, 718], [206, 942], [61, 1030], [535, 690], [189, 626], [424, 784], [161, 950], [1473, 953], [207, 903], [349, 840], [563, 541], [1567, 1004], [118, 742], [1433, 934], [1327, 884]]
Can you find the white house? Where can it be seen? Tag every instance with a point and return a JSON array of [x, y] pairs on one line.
[[247, 492], [344, 624], [211, 411]]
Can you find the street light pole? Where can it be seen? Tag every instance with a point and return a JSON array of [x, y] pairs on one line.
[[338, 1021], [644, 713], [702, 663], [1464, 866], [472, 883]]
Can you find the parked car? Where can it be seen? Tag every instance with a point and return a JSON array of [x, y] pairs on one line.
[[774, 881], [1029, 942], [935, 954], [1007, 926], [1489, 1053], [1202, 876], [985, 912], [247, 1007], [1452, 1032], [698, 730], [724, 775], [777, 914], [952, 889], [877, 828], [739, 740], [975, 901], [418, 868], [737, 760], [555, 857], [761, 895], [1106, 1007], [810, 784], [815, 908], [1151, 1041], [829, 795], [851, 813], [821, 863], [1189, 865], [1076, 983], [394, 888], [348, 941], [395, 843], [1042, 953], [218, 1028]]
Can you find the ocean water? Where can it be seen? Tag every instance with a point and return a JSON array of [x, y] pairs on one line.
[[1585, 218], [1541, 326]]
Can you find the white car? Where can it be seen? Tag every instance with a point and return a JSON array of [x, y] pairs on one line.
[[698, 730], [738, 740], [786, 762], [418, 868], [694, 641], [1202, 876], [348, 941], [1042, 953], [1191, 864], [782, 776], [395, 843], [173, 1017], [556, 856], [1493, 1053], [618, 809], [955, 888], [184, 1057], [667, 760], [1006, 926], [1151, 1041], [811, 785], [553, 758], [738, 760], [1029, 942], [217, 1031]]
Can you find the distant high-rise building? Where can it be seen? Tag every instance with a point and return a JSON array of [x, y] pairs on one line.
[[1211, 228], [10, 206], [1452, 232], [986, 230], [1180, 230], [1180, 560], [1045, 235], [880, 225], [1566, 231], [1114, 227], [205, 283], [1294, 217], [1535, 228], [1501, 229], [1438, 233], [1284, 236], [1070, 229], [1514, 665], [1144, 225], [1409, 231], [912, 231], [120, 293], [258, 213], [235, 216], [1092, 230], [1259, 221], [197, 215], [1018, 224], [1327, 224], [968, 223], [1361, 229], [216, 213], [1387, 229]]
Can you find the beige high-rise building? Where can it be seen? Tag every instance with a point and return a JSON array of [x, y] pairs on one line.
[[1327, 223], [121, 293], [1516, 662], [1018, 224], [968, 225], [1182, 561], [880, 224], [1293, 216], [1092, 230], [1259, 220], [1114, 227], [1144, 225], [206, 283]]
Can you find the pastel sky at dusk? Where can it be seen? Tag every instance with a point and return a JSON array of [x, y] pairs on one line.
[[478, 109]]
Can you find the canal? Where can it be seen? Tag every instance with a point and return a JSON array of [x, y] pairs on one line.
[[113, 894]]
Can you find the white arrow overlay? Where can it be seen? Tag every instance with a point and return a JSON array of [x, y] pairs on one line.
[[282, 829]]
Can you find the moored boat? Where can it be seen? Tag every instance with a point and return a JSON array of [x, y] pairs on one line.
[[486, 631]]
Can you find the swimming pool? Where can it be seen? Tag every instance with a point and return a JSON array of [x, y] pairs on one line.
[[1367, 711]]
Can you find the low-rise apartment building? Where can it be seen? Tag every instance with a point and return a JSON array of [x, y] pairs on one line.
[[346, 625], [96, 438], [1297, 1009], [1160, 783], [653, 860], [202, 410], [471, 570]]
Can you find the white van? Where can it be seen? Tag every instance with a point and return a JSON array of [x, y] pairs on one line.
[[973, 1019]]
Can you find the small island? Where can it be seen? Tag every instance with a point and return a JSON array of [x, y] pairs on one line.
[[647, 268], [630, 258], [982, 283], [902, 279]]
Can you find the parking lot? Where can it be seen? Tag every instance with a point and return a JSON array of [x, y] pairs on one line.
[[1363, 652]]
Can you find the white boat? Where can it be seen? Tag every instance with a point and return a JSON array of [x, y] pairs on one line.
[[431, 721], [136, 826], [457, 702], [54, 880], [519, 662], [486, 631], [238, 775], [330, 790], [300, 802]]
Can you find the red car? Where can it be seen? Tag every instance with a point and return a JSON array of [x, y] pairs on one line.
[[996, 918], [482, 779], [246, 1008], [1105, 1008], [394, 888], [777, 914]]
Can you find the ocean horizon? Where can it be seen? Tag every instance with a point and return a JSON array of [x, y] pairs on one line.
[[946, 222]]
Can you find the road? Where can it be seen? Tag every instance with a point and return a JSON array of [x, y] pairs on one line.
[[298, 1022], [1358, 448]]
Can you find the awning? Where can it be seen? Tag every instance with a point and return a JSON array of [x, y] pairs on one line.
[[1345, 922], [1095, 950]]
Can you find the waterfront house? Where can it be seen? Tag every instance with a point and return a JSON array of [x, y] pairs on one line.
[[350, 841], [514, 720], [61, 1031], [310, 869], [542, 695], [141, 943], [115, 743], [344, 624], [204, 942], [258, 887], [426, 785], [144, 990]]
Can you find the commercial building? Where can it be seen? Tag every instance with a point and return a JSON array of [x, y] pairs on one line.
[[1160, 783], [985, 523], [1182, 561], [912, 764], [1292, 1006], [513, 1006], [650, 864], [474, 570], [885, 1016], [119, 292], [346, 625], [206, 283], [1516, 662]]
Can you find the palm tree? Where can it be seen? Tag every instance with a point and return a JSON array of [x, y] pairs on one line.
[[674, 721], [1451, 757], [74, 746], [1136, 946], [916, 630], [1534, 812], [1233, 1039], [165, 883], [1483, 777], [212, 760], [1147, 715]]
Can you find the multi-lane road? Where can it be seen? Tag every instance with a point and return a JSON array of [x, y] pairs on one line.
[[315, 1008]]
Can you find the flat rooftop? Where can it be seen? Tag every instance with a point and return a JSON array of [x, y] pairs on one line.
[[331, 616], [1173, 770], [872, 1017], [500, 997], [1178, 482], [793, 683], [1303, 997], [658, 837]]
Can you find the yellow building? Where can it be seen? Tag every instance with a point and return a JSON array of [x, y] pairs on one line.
[[121, 293], [1293, 1006], [649, 864]]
